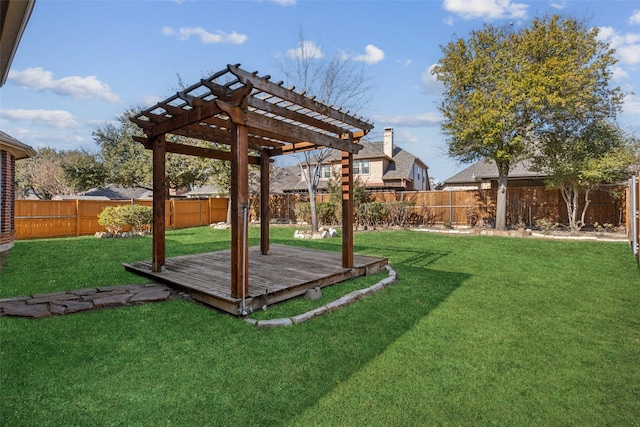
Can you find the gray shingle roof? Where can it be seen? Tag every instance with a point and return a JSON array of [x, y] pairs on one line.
[[487, 169], [114, 192]]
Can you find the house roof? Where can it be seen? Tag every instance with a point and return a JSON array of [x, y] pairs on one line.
[[487, 169], [286, 178], [113, 192], [14, 15], [399, 167], [15, 147], [204, 190]]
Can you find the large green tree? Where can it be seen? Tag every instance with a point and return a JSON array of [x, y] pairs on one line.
[[129, 164], [83, 170], [505, 89]]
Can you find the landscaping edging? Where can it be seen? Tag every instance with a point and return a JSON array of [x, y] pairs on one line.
[[528, 233], [67, 302], [343, 301]]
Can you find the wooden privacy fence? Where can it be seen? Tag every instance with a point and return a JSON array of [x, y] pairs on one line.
[[35, 219], [524, 205], [633, 215], [65, 218]]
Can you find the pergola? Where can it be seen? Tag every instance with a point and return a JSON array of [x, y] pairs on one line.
[[258, 119]]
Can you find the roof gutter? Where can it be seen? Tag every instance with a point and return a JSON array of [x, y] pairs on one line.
[[14, 17]]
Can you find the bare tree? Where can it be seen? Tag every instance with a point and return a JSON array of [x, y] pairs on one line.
[[337, 81], [42, 175]]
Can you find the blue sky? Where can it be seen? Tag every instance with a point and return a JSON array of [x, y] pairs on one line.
[[80, 64]]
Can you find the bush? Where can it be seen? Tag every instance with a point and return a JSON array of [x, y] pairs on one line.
[[327, 213], [115, 218], [112, 218], [138, 217], [302, 211], [546, 225]]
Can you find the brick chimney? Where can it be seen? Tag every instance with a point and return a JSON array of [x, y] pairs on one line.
[[387, 142]]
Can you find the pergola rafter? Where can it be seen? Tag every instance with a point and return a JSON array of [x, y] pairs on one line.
[[244, 111]]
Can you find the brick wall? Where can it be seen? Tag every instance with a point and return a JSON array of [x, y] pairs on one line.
[[7, 229]]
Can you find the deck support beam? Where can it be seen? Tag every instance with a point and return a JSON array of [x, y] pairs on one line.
[[239, 211], [347, 209], [159, 147], [264, 201]]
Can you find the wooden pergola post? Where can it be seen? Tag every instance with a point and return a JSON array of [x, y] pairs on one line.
[[264, 202], [239, 211], [159, 147], [347, 209]]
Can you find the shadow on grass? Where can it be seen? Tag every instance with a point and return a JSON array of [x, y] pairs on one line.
[[181, 363]]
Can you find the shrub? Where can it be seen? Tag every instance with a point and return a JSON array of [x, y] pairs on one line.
[[546, 225], [327, 213], [302, 211], [138, 217], [115, 218], [112, 218]]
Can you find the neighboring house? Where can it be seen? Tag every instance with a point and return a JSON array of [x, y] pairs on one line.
[[483, 175], [380, 166], [204, 192], [114, 192], [10, 150]]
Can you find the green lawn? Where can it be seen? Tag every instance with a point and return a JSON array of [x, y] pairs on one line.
[[478, 331]]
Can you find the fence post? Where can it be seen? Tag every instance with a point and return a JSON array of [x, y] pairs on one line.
[[635, 218], [451, 206], [77, 217]]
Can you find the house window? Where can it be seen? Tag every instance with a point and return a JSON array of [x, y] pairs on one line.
[[326, 172], [361, 167]]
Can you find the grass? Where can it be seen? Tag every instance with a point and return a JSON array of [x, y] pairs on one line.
[[478, 331]]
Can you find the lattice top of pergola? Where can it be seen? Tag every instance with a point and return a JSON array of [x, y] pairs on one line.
[[279, 120]]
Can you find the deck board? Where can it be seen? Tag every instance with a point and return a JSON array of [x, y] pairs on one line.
[[284, 273]]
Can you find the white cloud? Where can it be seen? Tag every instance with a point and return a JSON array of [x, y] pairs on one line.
[[430, 82], [150, 100], [285, 2], [206, 37], [635, 18], [627, 46], [489, 9], [405, 63], [631, 104], [618, 73], [412, 120], [372, 55], [75, 86], [57, 118], [306, 49], [559, 5], [404, 136], [449, 21]]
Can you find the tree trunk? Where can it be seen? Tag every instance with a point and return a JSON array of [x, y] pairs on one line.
[[570, 197], [314, 211], [587, 201], [501, 200]]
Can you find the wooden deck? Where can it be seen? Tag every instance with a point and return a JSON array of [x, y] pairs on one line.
[[286, 272]]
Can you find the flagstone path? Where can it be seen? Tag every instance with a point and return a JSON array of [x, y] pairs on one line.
[[66, 302]]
